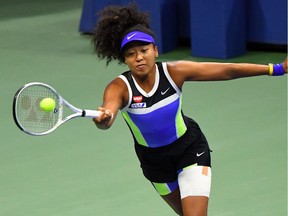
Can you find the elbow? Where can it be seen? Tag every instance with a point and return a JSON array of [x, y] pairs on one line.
[[232, 76]]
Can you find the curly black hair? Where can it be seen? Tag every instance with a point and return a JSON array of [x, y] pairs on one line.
[[114, 23]]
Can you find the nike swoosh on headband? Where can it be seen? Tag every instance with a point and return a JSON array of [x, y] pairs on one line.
[[137, 36]]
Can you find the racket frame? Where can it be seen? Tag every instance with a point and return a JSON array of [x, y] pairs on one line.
[[61, 101]]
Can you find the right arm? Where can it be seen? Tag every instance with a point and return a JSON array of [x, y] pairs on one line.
[[115, 97]]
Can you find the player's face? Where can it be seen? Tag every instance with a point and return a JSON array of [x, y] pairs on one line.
[[141, 59]]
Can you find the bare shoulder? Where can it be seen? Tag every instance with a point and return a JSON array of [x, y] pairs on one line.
[[181, 71], [117, 90], [117, 83], [180, 66]]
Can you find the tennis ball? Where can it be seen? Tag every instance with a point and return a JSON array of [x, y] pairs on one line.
[[47, 104]]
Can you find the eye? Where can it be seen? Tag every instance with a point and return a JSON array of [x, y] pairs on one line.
[[130, 54]]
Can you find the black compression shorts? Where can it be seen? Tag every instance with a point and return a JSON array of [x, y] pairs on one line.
[[162, 164]]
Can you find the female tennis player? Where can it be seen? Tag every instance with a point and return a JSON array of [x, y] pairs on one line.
[[173, 152]]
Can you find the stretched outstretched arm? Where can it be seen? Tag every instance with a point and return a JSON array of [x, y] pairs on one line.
[[182, 71]]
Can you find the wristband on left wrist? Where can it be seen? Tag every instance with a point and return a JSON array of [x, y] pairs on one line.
[[276, 70]]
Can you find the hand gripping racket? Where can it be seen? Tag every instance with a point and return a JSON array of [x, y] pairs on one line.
[[31, 119]]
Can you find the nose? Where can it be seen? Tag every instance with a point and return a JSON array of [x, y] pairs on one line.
[[139, 56]]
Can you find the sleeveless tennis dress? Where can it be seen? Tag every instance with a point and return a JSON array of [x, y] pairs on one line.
[[154, 118], [165, 140]]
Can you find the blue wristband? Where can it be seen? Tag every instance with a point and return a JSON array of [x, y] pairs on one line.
[[278, 70]]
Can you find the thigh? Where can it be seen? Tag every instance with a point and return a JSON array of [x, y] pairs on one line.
[[173, 199], [195, 181], [195, 185], [170, 194]]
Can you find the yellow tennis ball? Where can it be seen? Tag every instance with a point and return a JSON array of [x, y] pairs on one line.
[[47, 104]]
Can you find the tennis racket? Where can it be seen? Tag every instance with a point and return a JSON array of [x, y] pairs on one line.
[[29, 117]]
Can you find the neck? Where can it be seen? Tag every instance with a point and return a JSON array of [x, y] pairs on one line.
[[147, 81]]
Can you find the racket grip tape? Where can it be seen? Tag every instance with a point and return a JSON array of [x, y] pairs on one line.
[[90, 113]]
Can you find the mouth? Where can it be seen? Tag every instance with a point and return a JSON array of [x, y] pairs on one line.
[[141, 67]]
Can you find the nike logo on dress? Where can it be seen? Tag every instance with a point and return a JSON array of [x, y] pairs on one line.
[[129, 37], [199, 154], [163, 93]]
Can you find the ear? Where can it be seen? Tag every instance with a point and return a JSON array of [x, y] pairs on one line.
[[156, 51], [124, 60]]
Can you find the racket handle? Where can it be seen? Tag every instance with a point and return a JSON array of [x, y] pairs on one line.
[[91, 113]]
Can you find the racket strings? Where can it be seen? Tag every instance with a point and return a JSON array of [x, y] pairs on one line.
[[28, 112]]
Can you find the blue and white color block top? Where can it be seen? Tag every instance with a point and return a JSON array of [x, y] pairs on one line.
[[155, 118]]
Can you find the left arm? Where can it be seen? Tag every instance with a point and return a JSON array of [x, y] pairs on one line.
[[182, 71]]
